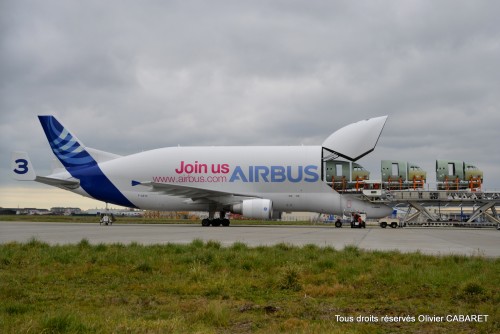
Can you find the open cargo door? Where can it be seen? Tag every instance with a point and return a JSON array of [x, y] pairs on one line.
[[355, 140]]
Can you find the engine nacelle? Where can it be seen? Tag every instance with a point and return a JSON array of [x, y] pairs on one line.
[[254, 208]]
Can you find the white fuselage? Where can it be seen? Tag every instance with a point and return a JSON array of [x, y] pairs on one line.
[[290, 176]]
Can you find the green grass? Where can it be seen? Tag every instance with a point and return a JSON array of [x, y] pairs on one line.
[[203, 287]]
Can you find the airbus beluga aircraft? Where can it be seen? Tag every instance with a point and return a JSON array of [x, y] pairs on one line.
[[257, 182]]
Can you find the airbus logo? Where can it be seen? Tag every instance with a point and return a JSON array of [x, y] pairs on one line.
[[202, 172], [292, 174]]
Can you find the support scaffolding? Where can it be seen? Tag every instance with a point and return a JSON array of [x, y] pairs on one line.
[[481, 207], [482, 212]]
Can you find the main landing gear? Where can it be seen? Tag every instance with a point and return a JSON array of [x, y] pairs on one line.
[[215, 221]]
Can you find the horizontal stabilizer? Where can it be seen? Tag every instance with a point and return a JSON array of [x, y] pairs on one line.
[[21, 167], [23, 170], [65, 184], [356, 140]]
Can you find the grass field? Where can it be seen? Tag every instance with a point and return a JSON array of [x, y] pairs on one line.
[[205, 288]]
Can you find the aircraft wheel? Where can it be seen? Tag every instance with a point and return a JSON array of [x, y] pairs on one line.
[[216, 222], [205, 222], [225, 222]]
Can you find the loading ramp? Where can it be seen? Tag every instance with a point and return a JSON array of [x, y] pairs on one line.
[[481, 206]]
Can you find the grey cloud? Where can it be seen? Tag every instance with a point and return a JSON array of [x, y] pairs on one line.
[[126, 76]]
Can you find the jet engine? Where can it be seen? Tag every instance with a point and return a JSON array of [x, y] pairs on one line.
[[254, 208]]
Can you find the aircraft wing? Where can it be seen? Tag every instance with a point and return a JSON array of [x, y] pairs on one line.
[[196, 194]]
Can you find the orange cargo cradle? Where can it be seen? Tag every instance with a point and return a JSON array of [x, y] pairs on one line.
[[475, 183]]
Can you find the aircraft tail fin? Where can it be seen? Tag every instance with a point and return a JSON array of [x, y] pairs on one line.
[[66, 147], [21, 167]]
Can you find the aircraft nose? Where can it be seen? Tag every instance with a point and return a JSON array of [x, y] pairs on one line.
[[376, 211], [372, 210]]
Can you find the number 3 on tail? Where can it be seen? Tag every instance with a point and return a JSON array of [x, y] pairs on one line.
[[22, 166]]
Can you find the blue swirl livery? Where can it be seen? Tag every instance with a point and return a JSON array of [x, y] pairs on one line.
[[80, 164], [65, 146]]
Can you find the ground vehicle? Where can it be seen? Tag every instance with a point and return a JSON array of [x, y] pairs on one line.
[[357, 221], [392, 222], [106, 219], [358, 224]]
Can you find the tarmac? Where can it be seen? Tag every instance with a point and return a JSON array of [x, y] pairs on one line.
[[436, 241]]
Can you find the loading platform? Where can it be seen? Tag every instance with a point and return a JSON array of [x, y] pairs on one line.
[[428, 207], [458, 200]]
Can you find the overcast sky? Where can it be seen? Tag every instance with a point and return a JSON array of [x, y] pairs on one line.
[[126, 76]]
